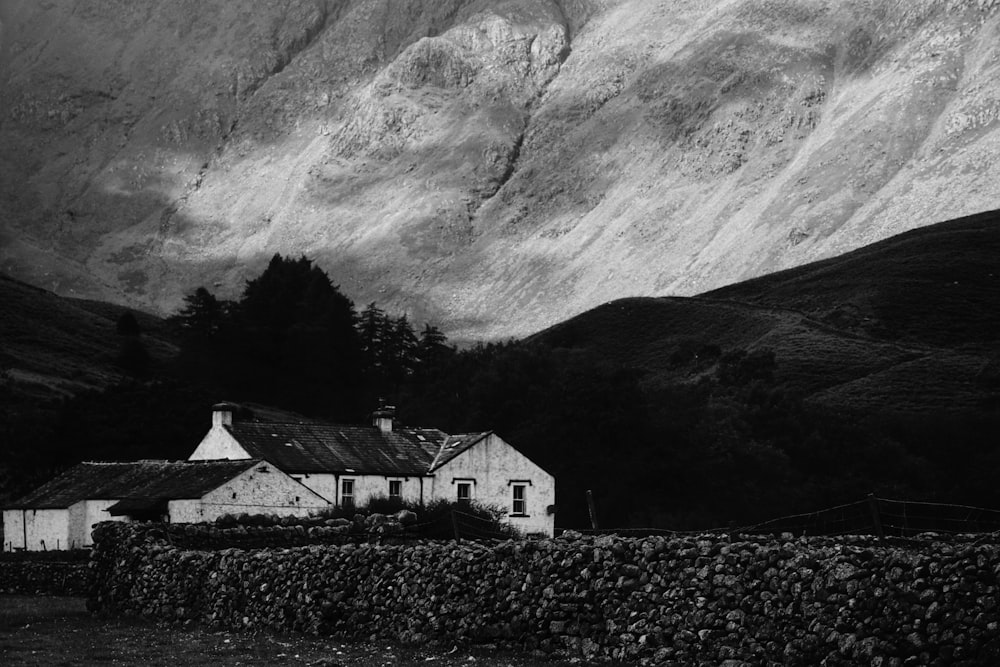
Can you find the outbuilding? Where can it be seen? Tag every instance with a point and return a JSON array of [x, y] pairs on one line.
[[62, 513]]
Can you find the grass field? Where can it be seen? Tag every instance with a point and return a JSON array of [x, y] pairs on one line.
[[61, 632]]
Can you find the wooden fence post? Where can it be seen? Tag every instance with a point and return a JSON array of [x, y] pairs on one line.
[[592, 508], [454, 526], [876, 516]]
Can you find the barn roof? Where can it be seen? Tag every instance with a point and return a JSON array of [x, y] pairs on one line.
[[138, 480], [309, 446]]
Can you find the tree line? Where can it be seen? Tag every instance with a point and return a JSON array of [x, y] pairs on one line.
[[293, 339]]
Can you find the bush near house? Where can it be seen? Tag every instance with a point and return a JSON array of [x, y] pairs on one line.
[[384, 516]]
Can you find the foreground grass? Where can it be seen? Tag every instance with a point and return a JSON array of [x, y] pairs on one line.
[[60, 631]]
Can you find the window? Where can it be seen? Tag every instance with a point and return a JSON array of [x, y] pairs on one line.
[[520, 506], [395, 488], [347, 493], [464, 492]]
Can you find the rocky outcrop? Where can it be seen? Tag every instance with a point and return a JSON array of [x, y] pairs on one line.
[[466, 160]]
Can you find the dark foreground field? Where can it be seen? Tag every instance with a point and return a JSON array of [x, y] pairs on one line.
[[60, 631]]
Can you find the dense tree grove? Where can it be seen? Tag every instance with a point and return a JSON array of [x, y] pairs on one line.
[[724, 443]]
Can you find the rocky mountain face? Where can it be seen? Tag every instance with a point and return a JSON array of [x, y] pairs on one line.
[[491, 165]]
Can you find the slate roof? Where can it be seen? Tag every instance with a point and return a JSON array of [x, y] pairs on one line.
[[313, 447], [321, 447], [180, 480], [454, 445], [136, 480]]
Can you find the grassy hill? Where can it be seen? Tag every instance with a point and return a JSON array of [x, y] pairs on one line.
[[906, 325], [53, 346], [937, 285]]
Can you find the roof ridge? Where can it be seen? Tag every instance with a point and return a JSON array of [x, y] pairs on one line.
[[300, 422]]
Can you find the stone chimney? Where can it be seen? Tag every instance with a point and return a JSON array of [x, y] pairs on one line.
[[222, 414], [382, 418]]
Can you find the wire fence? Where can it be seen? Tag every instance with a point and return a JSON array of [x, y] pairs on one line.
[[880, 517], [459, 525], [885, 517]]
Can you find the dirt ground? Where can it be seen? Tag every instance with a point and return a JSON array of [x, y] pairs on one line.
[[60, 631]]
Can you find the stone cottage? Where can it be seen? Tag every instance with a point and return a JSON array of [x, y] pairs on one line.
[[350, 464], [62, 513]]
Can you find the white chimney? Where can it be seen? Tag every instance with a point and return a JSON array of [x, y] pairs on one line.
[[222, 414], [382, 418]]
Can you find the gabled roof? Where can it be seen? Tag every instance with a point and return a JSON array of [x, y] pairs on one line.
[[178, 481], [454, 445], [314, 447], [299, 445], [137, 480]]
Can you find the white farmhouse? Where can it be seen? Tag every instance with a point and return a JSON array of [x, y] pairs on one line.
[[349, 464], [62, 513]]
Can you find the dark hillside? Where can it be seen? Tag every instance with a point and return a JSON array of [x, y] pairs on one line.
[[937, 285], [676, 340], [53, 346], [909, 324], [874, 371]]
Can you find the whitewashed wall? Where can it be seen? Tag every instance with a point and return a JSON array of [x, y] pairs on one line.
[[82, 518], [366, 487], [263, 489], [218, 444], [13, 530], [494, 465], [47, 529], [323, 484], [186, 511]]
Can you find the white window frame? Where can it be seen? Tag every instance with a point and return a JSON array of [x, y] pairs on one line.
[[523, 500], [399, 488], [347, 499], [467, 486]]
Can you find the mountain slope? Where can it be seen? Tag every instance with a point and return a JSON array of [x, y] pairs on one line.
[[937, 285], [494, 166], [909, 325]]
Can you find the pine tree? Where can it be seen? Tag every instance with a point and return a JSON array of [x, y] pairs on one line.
[[298, 340], [432, 347], [201, 315], [373, 329], [403, 349]]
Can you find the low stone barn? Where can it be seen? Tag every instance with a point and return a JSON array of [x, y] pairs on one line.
[[61, 513], [350, 464]]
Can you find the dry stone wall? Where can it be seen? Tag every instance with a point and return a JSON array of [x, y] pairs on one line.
[[28, 577], [684, 600], [278, 532]]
